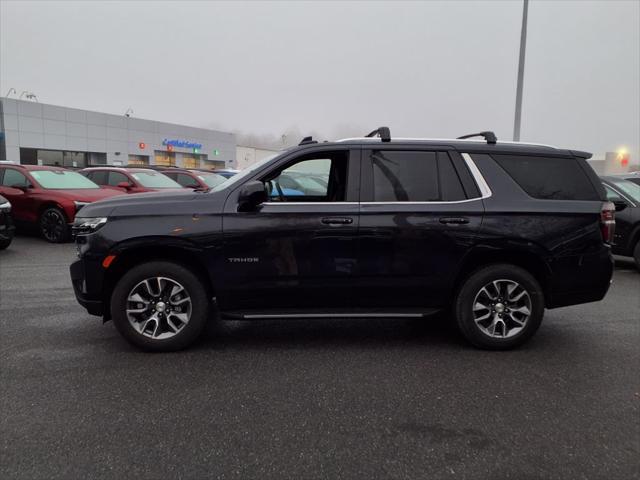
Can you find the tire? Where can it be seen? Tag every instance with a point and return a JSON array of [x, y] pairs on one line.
[[178, 322], [53, 225], [5, 242], [636, 254], [507, 325]]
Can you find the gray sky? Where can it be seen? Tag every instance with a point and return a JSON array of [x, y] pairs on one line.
[[437, 69]]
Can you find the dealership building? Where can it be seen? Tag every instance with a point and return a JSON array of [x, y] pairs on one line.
[[38, 134]]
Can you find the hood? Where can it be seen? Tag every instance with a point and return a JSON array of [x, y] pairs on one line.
[[88, 194], [176, 202]]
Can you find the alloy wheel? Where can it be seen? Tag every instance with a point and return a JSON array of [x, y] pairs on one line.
[[52, 225], [158, 307], [502, 308]]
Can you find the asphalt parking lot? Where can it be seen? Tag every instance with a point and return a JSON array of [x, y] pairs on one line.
[[323, 399]]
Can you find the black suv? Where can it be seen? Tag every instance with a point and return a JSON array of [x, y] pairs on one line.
[[495, 232]]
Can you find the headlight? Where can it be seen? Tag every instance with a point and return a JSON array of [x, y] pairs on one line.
[[86, 225], [5, 207], [79, 205]]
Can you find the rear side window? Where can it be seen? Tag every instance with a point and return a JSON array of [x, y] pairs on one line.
[[549, 178], [99, 177], [405, 176], [415, 176]]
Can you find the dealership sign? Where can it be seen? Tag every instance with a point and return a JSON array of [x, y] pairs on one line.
[[181, 144]]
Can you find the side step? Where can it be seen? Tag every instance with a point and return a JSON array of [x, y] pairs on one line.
[[304, 315]]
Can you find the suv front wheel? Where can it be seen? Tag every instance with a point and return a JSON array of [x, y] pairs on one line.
[[499, 307], [160, 306]]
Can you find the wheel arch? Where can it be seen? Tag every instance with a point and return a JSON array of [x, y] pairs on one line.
[[129, 256], [529, 261]]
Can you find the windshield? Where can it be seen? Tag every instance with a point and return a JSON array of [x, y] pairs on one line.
[[212, 179], [630, 189], [62, 180], [154, 180], [247, 172]]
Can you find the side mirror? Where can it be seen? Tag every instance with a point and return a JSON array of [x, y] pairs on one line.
[[620, 205], [252, 194], [125, 185], [22, 187]]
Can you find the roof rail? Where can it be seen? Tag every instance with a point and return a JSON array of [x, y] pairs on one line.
[[383, 132], [489, 136], [307, 141]]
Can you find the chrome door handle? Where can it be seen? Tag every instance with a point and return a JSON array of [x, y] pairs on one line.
[[337, 220]]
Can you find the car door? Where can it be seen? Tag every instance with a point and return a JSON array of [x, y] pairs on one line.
[[20, 198], [419, 214], [298, 250]]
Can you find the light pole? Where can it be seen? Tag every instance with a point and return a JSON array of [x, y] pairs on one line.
[[523, 47]]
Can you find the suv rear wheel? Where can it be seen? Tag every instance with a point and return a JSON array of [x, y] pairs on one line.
[[160, 306], [499, 307]]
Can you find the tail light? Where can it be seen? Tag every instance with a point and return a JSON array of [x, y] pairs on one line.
[[608, 222]]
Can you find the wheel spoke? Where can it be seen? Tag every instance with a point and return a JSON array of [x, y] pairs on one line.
[[153, 313], [502, 308]]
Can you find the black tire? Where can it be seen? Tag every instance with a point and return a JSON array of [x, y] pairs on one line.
[[636, 254], [53, 225], [194, 289], [5, 242], [472, 287]]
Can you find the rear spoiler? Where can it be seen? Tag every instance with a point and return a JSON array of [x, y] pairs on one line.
[[578, 153]]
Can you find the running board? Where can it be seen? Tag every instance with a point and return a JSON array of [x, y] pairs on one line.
[[270, 316]]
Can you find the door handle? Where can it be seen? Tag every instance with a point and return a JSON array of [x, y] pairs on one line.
[[337, 220], [454, 220]]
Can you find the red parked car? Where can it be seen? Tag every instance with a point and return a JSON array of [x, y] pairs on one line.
[[48, 197], [130, 180], [192, 178]]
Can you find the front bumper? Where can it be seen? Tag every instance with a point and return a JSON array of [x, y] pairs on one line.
[[86, 279]]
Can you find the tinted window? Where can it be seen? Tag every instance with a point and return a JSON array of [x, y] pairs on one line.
[[402, 176], [185, 180], [116, 177], [310, 179], [450, 185], [13, 177], [549, 178], [612, 195], [99, 177]]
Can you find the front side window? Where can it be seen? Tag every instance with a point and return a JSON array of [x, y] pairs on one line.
[[315, 178], [155, 180], [116, 178], [13, 178], [185, 180], [632, 190], [62, 180]]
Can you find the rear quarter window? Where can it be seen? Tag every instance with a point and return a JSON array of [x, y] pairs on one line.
[[549, 178]]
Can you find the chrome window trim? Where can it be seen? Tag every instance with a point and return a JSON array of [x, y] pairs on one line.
[[485, 191], [310, 203], [483, 186]]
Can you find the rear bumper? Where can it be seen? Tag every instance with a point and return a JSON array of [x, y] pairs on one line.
[[87, 288], [581, 279]]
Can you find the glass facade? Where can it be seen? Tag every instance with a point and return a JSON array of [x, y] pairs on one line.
[[165, 159], [141, 160], [214, 164]]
